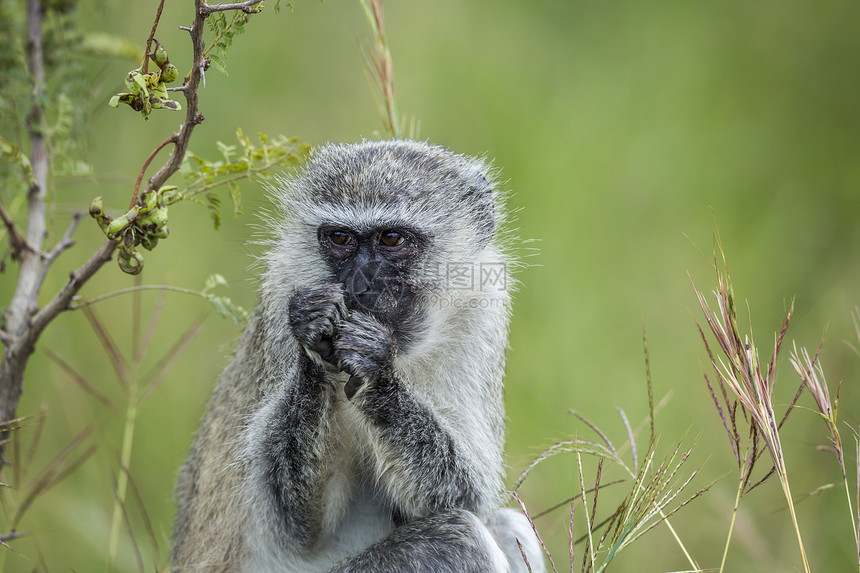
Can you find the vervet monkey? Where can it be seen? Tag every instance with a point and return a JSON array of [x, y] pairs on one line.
[[360, 425]]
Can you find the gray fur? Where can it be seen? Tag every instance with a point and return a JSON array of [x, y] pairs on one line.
[[364, 434]]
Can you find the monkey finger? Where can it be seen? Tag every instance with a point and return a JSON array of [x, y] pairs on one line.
[[325, 349], [352, 385]]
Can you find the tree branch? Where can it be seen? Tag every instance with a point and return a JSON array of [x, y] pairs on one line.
[[192, 113], [18, 343], [65, 243], [27, 289], [62, 300], [246, 7], [24, 320], [16, 239]]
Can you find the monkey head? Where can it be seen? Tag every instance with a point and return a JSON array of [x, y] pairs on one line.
[[383, 220]]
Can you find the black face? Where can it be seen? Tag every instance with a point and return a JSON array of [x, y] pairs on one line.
[[376, 269]]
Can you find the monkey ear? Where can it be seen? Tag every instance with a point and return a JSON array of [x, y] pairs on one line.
[[481, 203], [488, 227]]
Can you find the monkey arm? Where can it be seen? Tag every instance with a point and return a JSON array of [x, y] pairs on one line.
[[419, 462], [298, 451]]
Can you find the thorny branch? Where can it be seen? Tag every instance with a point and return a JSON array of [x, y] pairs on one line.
[[247, 7]]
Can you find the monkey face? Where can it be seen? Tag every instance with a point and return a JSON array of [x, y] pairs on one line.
[[377, 270]]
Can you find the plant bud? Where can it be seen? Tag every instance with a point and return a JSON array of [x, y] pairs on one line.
[[97, 212], [159, 56], [148, 242], [120, 224], [168, 195], [169, 73], [130, 261], [148, 202], [97, 208]]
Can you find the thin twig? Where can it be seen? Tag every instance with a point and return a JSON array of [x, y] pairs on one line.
[[246, 7], [128, 290], [145, 63], [171, 139], [16, 239], [570, 537], [118, 361], [82, 382], [159, 372], [523, 554], [65, 243], [12, 535]]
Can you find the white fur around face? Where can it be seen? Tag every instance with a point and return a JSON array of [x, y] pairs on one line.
[[453, 369]]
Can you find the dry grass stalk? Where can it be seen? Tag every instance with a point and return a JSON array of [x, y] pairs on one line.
[[381, 66], [857, 493], [739, 370], [812, 374], [653, 491], [534, 528]]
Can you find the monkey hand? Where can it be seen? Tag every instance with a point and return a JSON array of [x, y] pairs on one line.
[[315, 315], [365, 349]]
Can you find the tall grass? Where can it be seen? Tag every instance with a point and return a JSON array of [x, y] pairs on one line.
[[655, 490], [742, 388]]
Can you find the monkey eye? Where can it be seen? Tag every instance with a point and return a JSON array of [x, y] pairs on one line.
[[340, 238], [391, 238]]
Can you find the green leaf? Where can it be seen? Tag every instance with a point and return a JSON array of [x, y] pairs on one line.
[[12, 152], [226, 150], [223, 305], [214, 280], [235, 197], [214, 204]]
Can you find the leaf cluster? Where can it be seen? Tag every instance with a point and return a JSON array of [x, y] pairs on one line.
[[63, 97], [223, 31], [148, 90], [224, 305], [239, 161]]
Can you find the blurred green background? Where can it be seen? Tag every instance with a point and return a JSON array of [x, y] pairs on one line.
[[625, 131]]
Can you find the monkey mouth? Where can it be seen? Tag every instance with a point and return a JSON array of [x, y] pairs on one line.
[[378, 288]]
